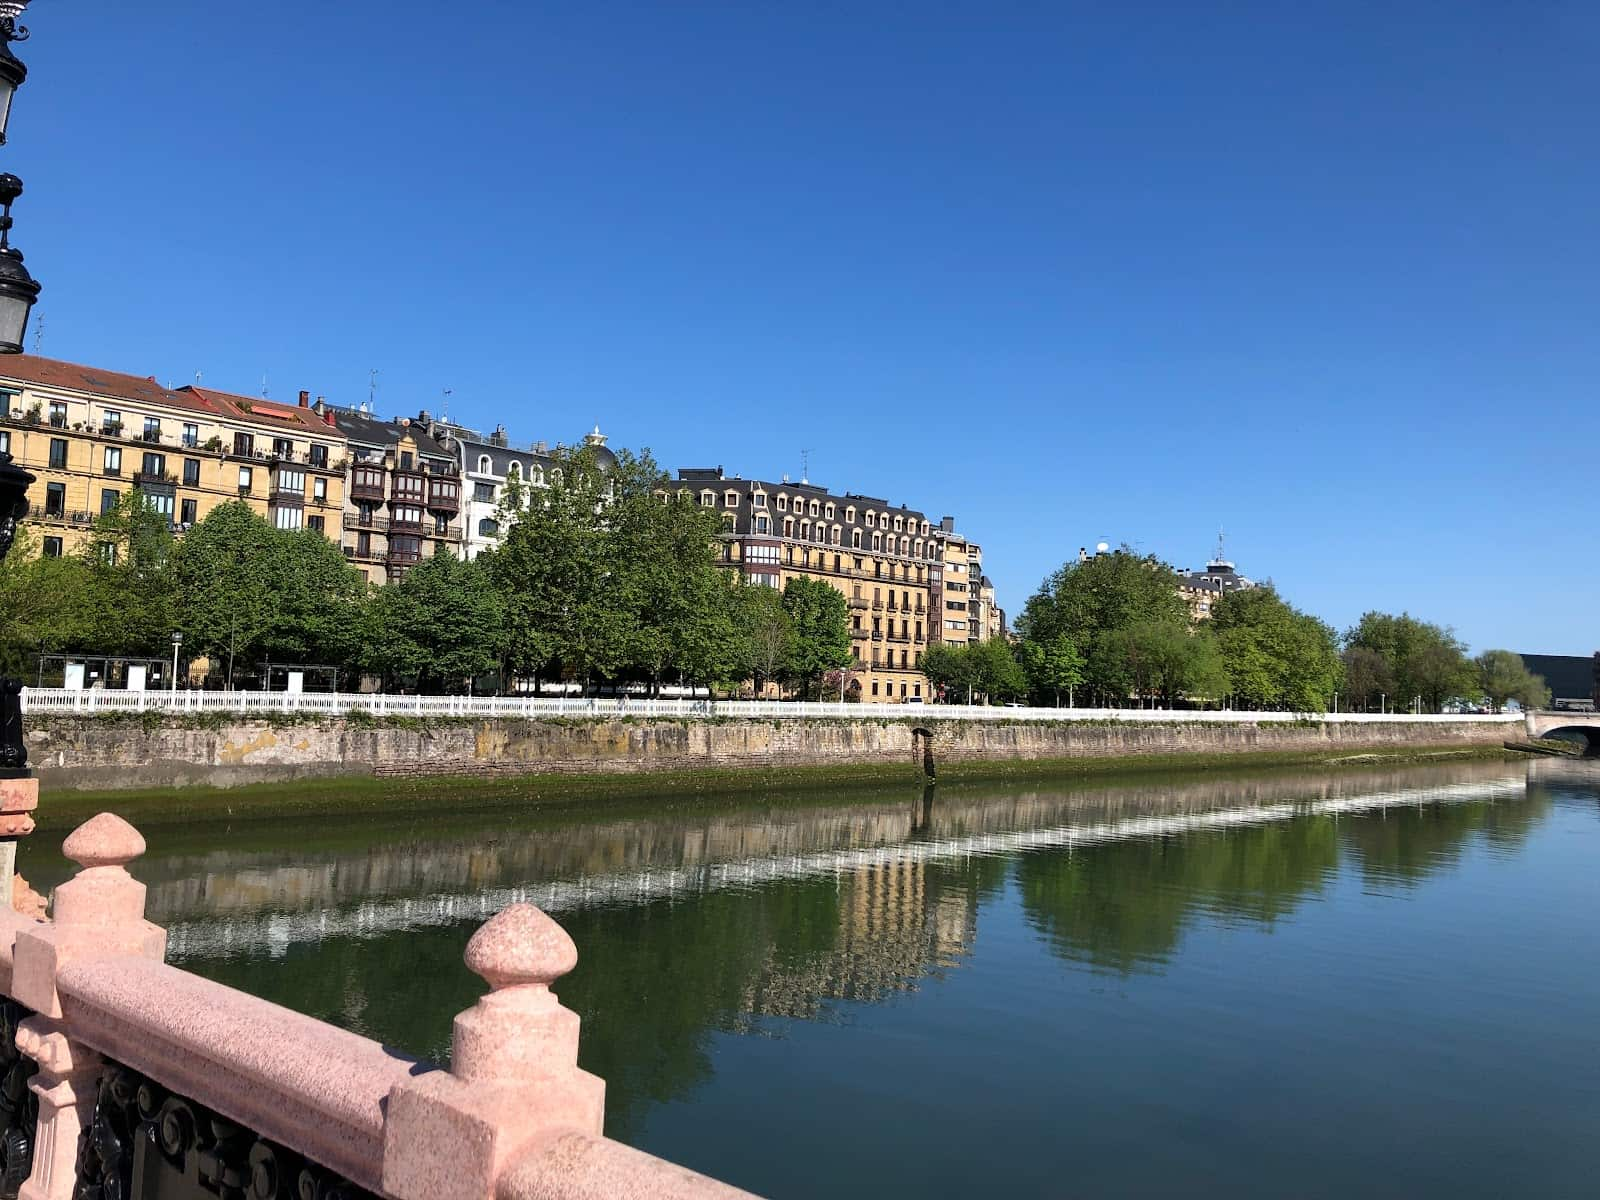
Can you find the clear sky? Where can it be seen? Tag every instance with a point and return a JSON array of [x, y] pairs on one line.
[[1325, 275]]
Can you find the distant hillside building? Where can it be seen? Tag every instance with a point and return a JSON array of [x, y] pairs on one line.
[[1202, 589]]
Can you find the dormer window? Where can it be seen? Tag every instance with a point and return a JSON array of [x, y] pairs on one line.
[[855, 539], [536, 475], [484, 465], [730, 499], [783, 502], [762, 525], [805, 531], [759, 500], [872, 519], [828, 512], [815, 507], [708, 499]]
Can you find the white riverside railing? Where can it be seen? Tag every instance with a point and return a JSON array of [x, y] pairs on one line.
[[378, 704]]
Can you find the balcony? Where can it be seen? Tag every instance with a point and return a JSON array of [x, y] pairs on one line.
[[286, 499], [404, 558], [399, 526], [366, 491], [858, 602], [858, 633], [445, 499], [877, 635], [355, 521], [58, 420], [154, 479], [111, 429]]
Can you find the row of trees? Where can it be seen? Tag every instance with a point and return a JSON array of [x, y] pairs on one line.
[[597, 580], [1116, 626]]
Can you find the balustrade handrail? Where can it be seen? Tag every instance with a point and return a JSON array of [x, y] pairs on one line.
[[379, 704], [511, 1117]]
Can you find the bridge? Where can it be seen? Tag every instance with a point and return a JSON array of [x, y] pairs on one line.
[[1543, 724]]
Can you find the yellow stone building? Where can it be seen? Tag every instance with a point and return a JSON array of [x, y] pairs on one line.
[[90, 435], [878, 555]]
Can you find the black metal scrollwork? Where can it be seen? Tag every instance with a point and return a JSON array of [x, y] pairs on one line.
[[147, 1144], [19, 1107]]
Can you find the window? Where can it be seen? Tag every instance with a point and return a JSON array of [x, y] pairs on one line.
[[407, 514], [291, 483], [52, 547], [783, 502], [761, 554], [152, 429], [872, 519], [113, 460], [191, 436], [108, 499], [58, 453], [244, 445], [154, 464], [319, 454], [319, 488], [874, 682], [762, 524], [815, 508], [283, 447], [828, 512], [763, 579], [759, 500], [483, 493], [555, 476], [244, 481], [5, 438], [191, 472], [186, 512], [855, 539], [315, 524], [58, 414], [708, 499], [488, 527], [287, 516], [730, 500], [441, 525], [55, 500], [407, 460], [160, 502], [363, 545], [483, 465], [536, 475]]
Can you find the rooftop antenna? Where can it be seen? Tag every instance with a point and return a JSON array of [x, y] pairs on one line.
[[263, 385], [372, 392], [197, 379], [445, 416], [38, 334], [805, 466]]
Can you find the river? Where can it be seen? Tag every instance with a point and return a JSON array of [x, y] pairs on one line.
[[1294, 983]]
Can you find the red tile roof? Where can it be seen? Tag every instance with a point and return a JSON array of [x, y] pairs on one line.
[[114, 385]]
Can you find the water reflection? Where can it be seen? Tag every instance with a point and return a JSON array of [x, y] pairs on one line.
[[729, 917]]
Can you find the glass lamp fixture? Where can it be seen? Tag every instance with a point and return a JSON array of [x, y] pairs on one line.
[[18, 289], [12, 70]]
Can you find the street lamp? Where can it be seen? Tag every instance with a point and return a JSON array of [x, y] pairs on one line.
[[18, 289], [177, 640], [12, 71]]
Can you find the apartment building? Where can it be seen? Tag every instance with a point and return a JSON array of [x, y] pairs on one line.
[[1202, 589], [90, 435], [403, 493], [879, 556], [489, 463]]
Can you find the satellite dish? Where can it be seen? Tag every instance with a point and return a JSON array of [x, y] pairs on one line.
[[1102, 547]]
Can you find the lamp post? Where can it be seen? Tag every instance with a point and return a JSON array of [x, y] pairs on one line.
[[19, 790], [177, 640], [18, 289]]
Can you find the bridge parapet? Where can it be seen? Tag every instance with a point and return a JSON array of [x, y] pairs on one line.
[[1542, 723], [149, 1079]]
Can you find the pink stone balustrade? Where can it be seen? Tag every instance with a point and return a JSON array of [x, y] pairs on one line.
[[512, 1117]]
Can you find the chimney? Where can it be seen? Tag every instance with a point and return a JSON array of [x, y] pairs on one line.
[[1083, 554], [305, 398], [328, 416]]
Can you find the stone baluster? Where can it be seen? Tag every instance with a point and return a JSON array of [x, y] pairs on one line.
[[99, 913], [513, 1073], [19, 796]]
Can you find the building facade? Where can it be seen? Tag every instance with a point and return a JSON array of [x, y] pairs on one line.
[[90, 436], [879, 556], [1202, 589], [489, 464], [403, 494]]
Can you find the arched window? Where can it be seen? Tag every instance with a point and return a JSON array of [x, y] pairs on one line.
[[513, 471], [536, 475], [555, 476], [488, 527], [484, 466]]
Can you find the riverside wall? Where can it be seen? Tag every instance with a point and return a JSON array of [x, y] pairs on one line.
[[98, 752]]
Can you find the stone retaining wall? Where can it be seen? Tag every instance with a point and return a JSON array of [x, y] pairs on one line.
[[97, 752]]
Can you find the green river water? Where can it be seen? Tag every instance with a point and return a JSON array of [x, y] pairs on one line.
[[1307, 982]]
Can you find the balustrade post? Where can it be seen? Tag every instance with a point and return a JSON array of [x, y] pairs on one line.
[[513, 1077], [99, 913]]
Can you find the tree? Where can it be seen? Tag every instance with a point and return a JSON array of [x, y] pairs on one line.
[[951, 671], [763, 634], [247, 591], [1367, 678], [1425, 660], [1053, 666], [1503, 676], [820, 617], [1000, 676], [443, 624], [1103, 597], [1159, 660], [1275, 656]]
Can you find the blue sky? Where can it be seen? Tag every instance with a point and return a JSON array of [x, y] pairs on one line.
[[1324, 275]]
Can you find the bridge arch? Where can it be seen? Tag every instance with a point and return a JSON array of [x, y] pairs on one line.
[[1584, 727]]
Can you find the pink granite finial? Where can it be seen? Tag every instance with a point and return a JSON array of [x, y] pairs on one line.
[[104, 841], [521, 947]]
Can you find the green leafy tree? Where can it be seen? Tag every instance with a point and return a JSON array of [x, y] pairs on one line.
[[1053, 667], [820, 617], [1425, 660], [1503, 676], [1160, 660], [762, 635], [1275, 656], [952, 671], [442, 625], [247, 592], [1000, 675], [1368, 679]]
